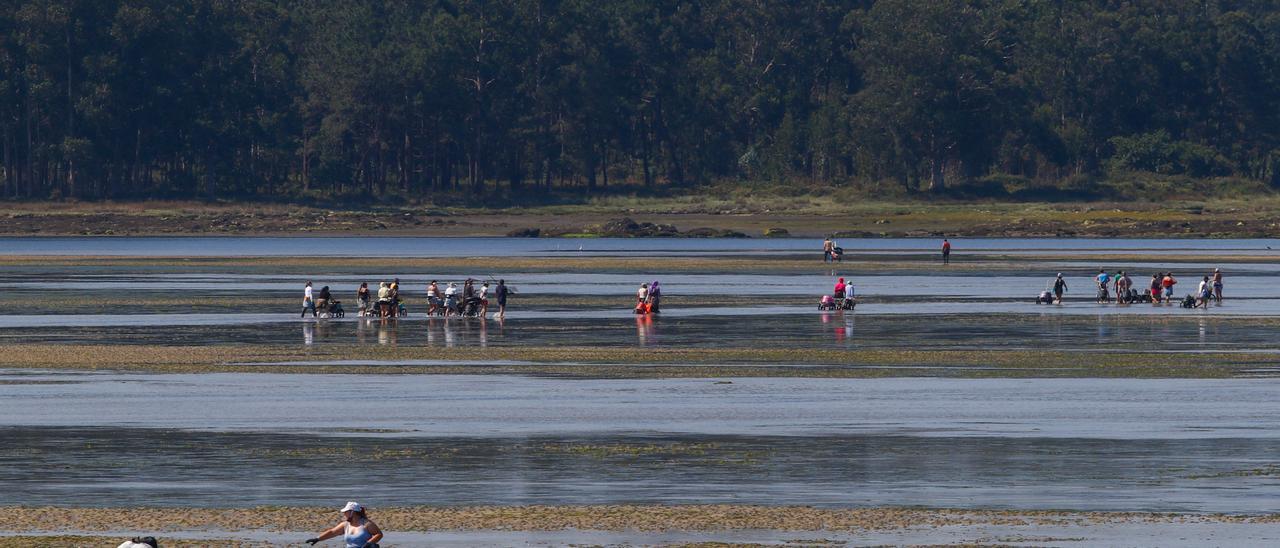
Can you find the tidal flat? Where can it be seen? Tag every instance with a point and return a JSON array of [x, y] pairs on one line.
[[643, 525], [947, 395]]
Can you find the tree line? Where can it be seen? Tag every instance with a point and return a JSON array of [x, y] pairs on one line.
[[479, 98]]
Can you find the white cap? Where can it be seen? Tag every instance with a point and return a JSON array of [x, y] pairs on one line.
[[352, 506]]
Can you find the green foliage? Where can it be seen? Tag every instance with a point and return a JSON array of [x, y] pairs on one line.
[[502, 102], [1155, 152]]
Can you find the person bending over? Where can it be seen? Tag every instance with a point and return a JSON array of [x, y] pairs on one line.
[[357, 530]]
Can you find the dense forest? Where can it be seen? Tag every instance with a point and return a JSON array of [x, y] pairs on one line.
[[291, 98]]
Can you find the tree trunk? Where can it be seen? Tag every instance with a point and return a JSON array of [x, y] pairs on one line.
[[31, 165], [546, 174], [71, 117], [937, 173], [306, 162], [138, 171], [604, 164], [516, 175], [646, 149], [10, 189], [405, 164], [210, 184]]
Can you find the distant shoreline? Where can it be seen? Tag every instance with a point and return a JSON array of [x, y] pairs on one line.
[[801, 218]]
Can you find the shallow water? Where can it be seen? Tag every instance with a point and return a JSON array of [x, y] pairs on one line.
[[261, 439], [1113, 444], [433, 406], [1183, 331]]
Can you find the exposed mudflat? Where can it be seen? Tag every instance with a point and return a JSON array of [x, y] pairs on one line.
[[176, 373]]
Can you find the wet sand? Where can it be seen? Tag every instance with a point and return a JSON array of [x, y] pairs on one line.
[[187, 383], [458, 353], [657, 526]]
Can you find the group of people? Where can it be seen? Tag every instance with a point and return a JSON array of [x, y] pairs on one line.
[[649, 298], [471, 300], [842, 296], [1160, 288], [1119, 287], [316, 302], [833, 253], [387, 304]]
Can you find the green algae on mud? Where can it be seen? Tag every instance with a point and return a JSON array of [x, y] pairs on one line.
[[621, 362]]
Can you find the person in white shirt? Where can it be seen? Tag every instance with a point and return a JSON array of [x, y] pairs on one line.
[[483, 295], [384, 299], [307, 302], [1204, 293], [451, 299]]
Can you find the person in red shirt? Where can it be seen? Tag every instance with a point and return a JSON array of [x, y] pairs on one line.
[[839, 290], [946, 251]]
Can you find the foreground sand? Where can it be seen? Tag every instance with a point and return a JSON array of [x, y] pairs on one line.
[[699, 525]]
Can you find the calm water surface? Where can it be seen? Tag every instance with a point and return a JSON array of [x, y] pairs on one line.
[[205, 440], [212, 439]]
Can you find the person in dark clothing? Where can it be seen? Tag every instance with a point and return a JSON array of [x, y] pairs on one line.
[[501, 292]]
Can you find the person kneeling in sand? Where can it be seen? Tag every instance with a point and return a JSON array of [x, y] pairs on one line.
[[357, 530]]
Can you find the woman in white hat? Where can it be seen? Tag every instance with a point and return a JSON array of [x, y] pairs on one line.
[[356, 529]]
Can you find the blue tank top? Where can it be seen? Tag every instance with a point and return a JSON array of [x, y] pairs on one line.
[[356, 537]]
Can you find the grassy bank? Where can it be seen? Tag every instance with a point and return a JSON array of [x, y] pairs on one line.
[[801, 216]]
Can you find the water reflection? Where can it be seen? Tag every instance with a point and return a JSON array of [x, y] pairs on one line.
[[208, 468], [840, 323], [362, 329], [646, 330], [387, 331]]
